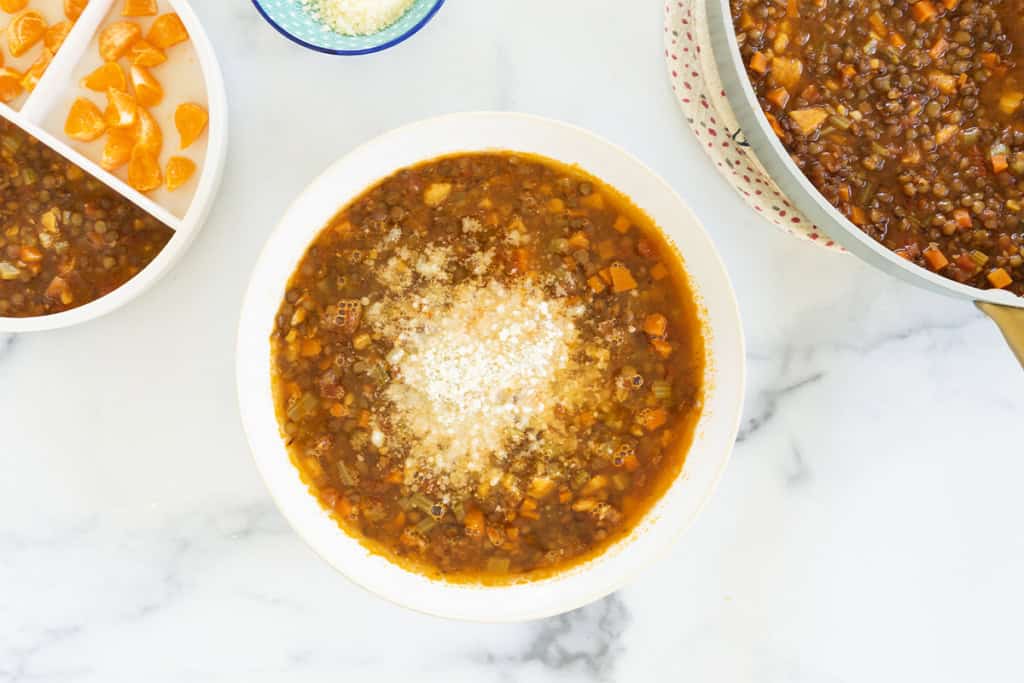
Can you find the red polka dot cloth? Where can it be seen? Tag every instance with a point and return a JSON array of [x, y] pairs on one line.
[[698, 89]]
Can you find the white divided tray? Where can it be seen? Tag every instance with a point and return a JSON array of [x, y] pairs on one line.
[[191, 74]]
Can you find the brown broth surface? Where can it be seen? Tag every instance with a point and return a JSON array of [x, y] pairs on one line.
[[604, 367]]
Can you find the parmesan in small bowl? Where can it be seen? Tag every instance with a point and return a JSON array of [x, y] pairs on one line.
[[348, 27]]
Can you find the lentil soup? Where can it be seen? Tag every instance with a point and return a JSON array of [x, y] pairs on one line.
[[66, 239], [907, 116], [488, 367]]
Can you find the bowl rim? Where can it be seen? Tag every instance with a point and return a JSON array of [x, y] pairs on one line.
[[187, 227], [584, 583], [350, 53]]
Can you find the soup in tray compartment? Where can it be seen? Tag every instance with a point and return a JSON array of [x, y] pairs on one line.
[[488, 367], [66, 239]]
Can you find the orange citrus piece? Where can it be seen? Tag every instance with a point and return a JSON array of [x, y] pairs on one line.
[[167, 30], [85, 121], [12, 6], [148, 133], [118, 149], [117, 38], [36, 71], [144, 170], [179, 171], [142, 53], [139, 8], [25, 30], [56, 34], [10, 84], [74, 8], [122, 109], [190, 119], [148, 90], [110, 75]]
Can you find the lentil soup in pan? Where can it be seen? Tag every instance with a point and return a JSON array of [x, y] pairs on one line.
[[908, 117], [488, 367]]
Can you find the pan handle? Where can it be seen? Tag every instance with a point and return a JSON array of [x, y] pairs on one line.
[[1011, 321]]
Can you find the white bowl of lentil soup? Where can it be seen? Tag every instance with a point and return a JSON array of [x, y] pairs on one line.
[[101, 204], [897, 127], [484, 383]]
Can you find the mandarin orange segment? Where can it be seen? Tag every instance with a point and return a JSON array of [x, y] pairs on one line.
[[36, 71], [139, 8], [118, 149], [110, 75], [167, 30], [116, 39], [56, 34], [143, 53], [25, 30], [144, 170], [122, 109], [12, 6], [74, 8], [190, 119], [148, 133], [179, 171], [85, 121], [148, 90], [10, 84]]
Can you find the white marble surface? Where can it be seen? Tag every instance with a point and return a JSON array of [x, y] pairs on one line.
[[866, 530]]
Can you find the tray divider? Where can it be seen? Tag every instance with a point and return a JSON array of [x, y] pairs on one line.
[[109, 179], [56, 81]]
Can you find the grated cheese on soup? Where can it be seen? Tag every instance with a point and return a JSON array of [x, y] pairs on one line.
[[357, 17]]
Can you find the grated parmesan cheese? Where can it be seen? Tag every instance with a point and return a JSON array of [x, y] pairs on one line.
[[356, 17]]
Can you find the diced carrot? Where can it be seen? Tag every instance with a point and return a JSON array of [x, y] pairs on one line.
[[847, 72], [793, 8], [656, 325], [950, 4], [759, 63], [935, 258], [564, 495], [310, 348], [999, 278], [521, 260], [579, 240], [746, 21], [962, 218], [776, 126], [606, 275], [923, 11], [631, 463], [597, 285], [338, 410], [474, 522], [606, 249], [857, 216], [779, 97], [878, 24], [622, 279], [659, 272], [652, 418], [897, 41], [1010, 101], [844, 192], [662, 347], [780, 43], [528, 509], [556, 205], [811, 94], [622, 224], [593, 201], [939, 48], [395, 476], [999, 163], [989, 59]]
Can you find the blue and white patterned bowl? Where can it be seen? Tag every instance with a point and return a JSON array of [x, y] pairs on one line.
[[294, 22]]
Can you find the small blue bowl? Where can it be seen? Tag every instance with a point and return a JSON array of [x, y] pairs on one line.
[[295, 23]]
